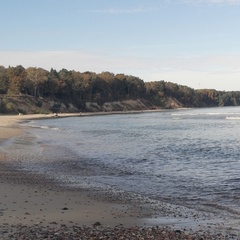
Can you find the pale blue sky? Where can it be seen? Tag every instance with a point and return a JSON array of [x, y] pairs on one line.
[[194, 43]]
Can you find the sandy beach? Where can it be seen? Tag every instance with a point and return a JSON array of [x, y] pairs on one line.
[[33, 207], [42, 201]]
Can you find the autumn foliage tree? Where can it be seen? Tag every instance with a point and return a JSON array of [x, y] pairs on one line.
[[17, 78], [37, 78], [3, 80], [73, 87]]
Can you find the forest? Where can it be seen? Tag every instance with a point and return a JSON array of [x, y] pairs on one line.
[[76, 89]]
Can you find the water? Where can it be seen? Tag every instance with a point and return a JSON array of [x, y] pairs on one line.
[[185, 157]]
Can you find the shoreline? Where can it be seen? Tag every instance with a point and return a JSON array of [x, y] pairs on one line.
[[10, 124], [32, 201]]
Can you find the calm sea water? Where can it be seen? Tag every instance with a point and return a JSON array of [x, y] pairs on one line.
[[185, 157]]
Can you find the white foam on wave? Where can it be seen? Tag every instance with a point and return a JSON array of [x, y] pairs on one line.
[[49, 127], [208, 113], [232, 118], [184, 114], [41, 127]]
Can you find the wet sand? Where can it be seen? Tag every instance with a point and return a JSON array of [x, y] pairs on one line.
[[31, 203], [8, 129], [49, 206]]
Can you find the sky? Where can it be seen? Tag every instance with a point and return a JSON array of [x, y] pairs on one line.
[[190, 42]]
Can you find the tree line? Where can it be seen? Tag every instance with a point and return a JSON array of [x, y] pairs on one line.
[[78, 88]]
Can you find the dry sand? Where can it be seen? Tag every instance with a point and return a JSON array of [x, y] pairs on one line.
[[30, 205]]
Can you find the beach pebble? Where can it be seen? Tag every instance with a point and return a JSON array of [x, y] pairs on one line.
[[101, 232]]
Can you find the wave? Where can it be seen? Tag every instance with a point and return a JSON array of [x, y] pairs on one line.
[[232, 118], [40, 127], [199, 114], [209, 113]]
